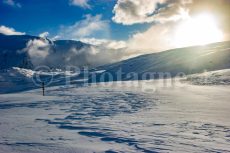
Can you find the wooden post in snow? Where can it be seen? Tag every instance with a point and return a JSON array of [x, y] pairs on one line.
[[43, 88]]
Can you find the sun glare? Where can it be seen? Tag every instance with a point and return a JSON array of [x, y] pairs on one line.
[[199, 30]]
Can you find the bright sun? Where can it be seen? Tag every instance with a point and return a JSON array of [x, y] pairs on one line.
[[199, 30]]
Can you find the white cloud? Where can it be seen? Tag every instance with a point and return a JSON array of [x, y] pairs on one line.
[[116, 44], [89, 27], [38, 50], [93, 41], [166, 15], [156, 38], [44, 34], [81, 3], [12, 3], [129, 12], [9, 31], [55, 38], [110, 44], [42, 52], [92, 56]]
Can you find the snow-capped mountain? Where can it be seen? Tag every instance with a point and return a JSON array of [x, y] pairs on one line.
[[188, 60], [21, 51], [10, 55]]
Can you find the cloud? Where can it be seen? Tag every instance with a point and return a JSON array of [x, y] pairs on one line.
[[99, 52], [56, 37], [92, 56], [130, 12], [156, 38], [9, 31], [167, 16], [91, 26], [109, 51], [44, 34], [81, 3], [109, 44], [60, 55], [38, 50], [12, 3]]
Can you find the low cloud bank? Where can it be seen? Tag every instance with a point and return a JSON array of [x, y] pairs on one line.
[[59, 54], [38, 51]]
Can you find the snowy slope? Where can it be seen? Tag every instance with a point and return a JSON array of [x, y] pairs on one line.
[[116, 117], [187, 60], [18, 79], [15, 79], [220, 77]]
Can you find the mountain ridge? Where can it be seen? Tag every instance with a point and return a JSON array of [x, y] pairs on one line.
[[13, 54], [189, 60]]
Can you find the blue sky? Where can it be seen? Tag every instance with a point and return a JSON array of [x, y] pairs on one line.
[[36, 16]]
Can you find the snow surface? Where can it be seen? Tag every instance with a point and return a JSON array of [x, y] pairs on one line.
[[220, 77], [19, 79], [131, 116]]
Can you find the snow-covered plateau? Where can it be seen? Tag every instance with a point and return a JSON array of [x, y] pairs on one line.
[[123, 116]]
